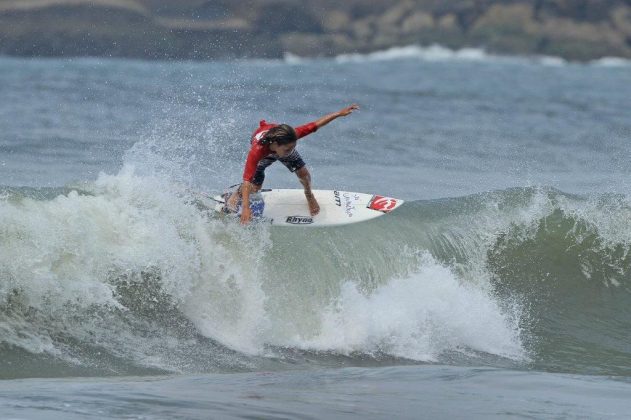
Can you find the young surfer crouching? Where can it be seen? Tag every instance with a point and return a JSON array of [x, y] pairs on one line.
[[272, 142]]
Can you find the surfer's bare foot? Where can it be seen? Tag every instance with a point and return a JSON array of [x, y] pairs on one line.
[[314, 207]]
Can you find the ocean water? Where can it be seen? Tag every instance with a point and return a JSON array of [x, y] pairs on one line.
[[501, 288]]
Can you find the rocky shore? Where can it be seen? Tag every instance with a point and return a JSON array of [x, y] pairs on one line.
[[206, 29]]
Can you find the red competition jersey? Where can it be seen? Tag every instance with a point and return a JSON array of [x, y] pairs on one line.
[[258, 151]]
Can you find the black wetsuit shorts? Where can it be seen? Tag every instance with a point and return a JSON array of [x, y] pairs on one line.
[[293, 162]]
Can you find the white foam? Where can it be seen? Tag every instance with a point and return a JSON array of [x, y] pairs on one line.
[[550, 61], [611, 62], [417, 317], [608, 215], [436, 53], [62, 255], [290, 58], [431, 53]]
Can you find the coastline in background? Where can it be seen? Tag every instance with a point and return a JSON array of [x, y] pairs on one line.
[[199, 29]]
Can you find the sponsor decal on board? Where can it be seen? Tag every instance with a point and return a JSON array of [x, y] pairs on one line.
[[381, 203], [299, 220], [347, 201], [338, 200]]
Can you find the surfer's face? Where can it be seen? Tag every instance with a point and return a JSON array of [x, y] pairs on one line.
[[283, 150]]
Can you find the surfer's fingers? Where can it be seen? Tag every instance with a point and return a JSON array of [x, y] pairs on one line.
[[349, 109]]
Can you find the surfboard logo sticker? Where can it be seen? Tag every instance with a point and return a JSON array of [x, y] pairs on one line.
[[299, 220], [338, 200], [381, 203]]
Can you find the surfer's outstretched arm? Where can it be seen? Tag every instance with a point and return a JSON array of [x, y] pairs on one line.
[[321, 122]]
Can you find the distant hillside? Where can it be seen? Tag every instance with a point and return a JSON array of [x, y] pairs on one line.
[[203, 29]]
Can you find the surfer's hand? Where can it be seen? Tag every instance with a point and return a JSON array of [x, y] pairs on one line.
[[321, 122], [246, 215], [348, 110]]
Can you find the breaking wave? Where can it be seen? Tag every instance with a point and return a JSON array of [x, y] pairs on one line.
[[131, 275]]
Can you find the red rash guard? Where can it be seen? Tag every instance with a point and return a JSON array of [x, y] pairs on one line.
[[258, 151]]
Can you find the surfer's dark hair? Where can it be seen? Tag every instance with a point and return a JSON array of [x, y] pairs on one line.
[[281, 134]]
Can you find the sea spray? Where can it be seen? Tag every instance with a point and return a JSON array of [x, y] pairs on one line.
[[99, 267]]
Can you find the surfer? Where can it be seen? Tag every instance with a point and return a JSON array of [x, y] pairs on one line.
[[272, 142]]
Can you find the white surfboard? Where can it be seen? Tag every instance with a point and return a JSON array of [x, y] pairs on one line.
[[288, 207]]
